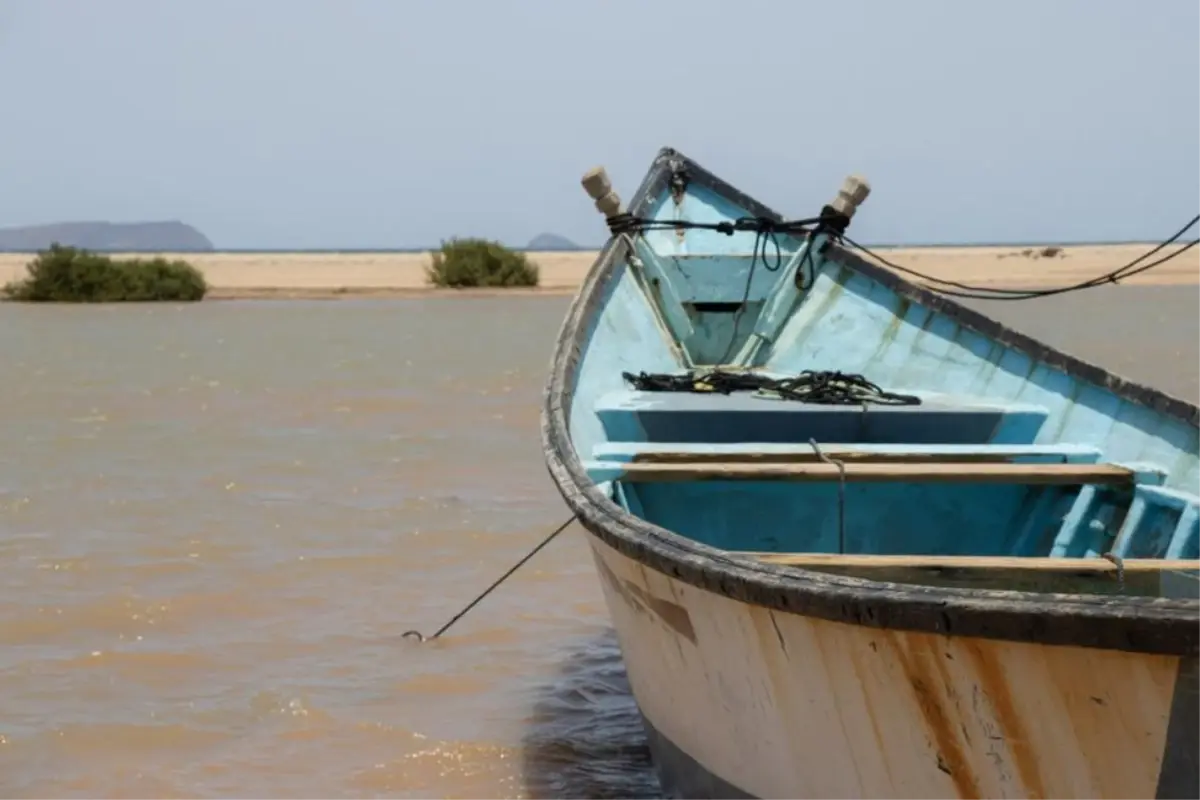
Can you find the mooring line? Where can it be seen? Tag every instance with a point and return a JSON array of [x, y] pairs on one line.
[[841, 466], [1120, 565], [420, 637]]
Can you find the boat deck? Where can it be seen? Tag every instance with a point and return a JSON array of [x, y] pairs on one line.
[[953, 477]]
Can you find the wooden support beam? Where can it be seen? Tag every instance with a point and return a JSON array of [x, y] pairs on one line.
[[994, 455], [972, 562], [858, 472]]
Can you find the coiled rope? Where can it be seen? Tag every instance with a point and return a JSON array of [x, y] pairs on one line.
[[827, 387]]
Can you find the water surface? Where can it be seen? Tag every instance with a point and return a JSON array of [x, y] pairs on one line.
[[217, 521]]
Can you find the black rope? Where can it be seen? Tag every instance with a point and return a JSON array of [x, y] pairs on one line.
[[420, 637], [835, 224], [993, 293], [766, 230], [827, 387], [627, 223], [761, 239]]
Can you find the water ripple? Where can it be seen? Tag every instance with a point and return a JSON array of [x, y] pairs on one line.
[[218, 521]]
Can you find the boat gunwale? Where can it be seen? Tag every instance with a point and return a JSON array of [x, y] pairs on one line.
[[1140, 624]]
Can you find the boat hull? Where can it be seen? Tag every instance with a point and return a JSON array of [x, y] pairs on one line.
[[764, 679], [743, 701]]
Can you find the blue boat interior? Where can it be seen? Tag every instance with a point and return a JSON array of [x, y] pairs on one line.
[[1006, 454]]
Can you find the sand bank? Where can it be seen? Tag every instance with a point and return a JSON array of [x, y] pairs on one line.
[[334, 275], [337, 275]]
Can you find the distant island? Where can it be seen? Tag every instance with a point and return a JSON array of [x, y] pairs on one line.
[[113, 237], [551, 242]]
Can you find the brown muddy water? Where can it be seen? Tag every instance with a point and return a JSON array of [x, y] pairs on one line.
[[216, 522]]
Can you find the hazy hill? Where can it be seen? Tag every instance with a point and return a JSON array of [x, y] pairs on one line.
[[169, 237], [551, 241]]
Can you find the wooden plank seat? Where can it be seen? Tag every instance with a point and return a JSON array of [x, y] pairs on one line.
[[855, 561], [928, 472], [768, 452], [1149, 577]]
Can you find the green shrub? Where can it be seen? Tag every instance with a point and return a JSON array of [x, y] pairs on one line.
[[463, 263], [71, 275]]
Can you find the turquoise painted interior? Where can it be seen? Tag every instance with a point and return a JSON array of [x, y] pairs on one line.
[[673, 305]]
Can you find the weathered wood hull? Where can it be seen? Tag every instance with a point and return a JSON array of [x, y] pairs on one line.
[[743, 701], [765, 679]]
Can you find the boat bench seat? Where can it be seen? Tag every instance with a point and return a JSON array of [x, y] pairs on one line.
[[744, 417], [868, 471], [765, 452], [1158, 521]]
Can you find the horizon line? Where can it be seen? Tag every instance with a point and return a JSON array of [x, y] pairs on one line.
[[583, 249]]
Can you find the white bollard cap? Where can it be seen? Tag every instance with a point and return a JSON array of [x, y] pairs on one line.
[[596, 183], [853, 192]]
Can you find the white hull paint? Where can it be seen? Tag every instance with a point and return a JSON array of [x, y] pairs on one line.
[[782, 705]]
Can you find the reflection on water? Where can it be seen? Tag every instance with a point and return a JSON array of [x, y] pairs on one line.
[[585, 737]]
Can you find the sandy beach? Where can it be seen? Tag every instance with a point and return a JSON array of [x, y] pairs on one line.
[[334, 275]]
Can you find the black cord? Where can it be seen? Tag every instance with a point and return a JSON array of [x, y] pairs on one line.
[[992, 293], [766, 232], [420, 637], [627, 223], [761, 240], [835, 224]]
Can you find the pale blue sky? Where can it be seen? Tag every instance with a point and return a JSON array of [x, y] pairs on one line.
[[395, 123]]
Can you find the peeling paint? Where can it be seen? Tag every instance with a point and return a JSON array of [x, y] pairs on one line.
[[930, 689], [671, 614], [1012, 725], [812, 708]]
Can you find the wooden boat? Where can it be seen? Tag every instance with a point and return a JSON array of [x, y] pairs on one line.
[[978, 581]]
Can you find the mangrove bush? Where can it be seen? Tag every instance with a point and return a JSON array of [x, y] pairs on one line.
[[463, 263], [72, 275]]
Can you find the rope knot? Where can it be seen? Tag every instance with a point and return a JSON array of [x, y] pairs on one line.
[[622, 223], [833, 222]]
